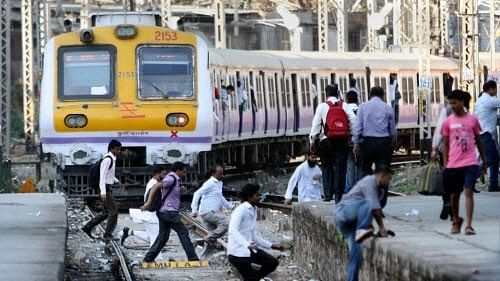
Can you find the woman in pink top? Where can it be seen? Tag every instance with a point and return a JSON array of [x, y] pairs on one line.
[[460, 136]]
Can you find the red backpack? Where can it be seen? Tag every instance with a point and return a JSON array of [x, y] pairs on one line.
[[336, 125]]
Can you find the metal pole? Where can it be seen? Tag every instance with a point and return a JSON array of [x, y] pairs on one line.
[[5, 90], [468, 69], [342, 42], [220, 25], [492, 35], [323, 26], [28, 84]]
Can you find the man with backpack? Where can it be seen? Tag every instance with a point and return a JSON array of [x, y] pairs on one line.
[[106, 178], [375, 132], [332, 124], [168, 213]]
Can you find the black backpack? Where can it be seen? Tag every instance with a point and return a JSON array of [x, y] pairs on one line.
[[95, 174], [157, 201]]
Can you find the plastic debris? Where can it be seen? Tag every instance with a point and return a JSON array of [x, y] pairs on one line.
[[413, 212]]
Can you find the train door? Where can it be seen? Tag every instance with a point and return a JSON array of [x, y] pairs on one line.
[[287, 103], [272, 111], [295, 103], [262, 81]]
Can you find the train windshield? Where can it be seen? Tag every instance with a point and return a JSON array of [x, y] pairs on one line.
[[165, 72], [86, 72]]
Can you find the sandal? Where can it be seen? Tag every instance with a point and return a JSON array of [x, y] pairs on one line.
[[456, 226], [470, 231]]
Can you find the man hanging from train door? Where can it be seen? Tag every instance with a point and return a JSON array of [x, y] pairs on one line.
[[241, 95]]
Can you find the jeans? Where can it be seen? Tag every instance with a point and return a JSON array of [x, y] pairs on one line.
[[333, 153], [244, 265], [353, 170], [349, 218], [168, 220], [110, 213], [375, 150], [491, 153]]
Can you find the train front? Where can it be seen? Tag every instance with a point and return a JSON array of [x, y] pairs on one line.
[[146, 86]]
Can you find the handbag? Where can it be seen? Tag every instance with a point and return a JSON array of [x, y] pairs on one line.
[[431, 180]]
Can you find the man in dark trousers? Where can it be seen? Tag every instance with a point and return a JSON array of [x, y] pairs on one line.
[[168, 214], [107, 178], [332, 150], [375, 132]]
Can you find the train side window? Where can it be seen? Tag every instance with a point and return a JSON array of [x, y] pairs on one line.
[[323, 82], [411, 92], [270, 90], [288, 93], [376, 82], [303, 91], [87, 72], [383, 85], [437, 90], [308, 92], [260, 101], [404, 90], [165, 72], [362, 89]]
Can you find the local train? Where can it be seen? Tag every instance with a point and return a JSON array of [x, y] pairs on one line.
[[153, 89]]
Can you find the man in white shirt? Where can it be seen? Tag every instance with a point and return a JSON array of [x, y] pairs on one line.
[[212, 203], [307, 177], [333, 151], [486, 109], [149, 219], [243, 243], [107, 178]]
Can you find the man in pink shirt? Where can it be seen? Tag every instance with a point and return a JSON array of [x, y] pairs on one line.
[[460, 137]]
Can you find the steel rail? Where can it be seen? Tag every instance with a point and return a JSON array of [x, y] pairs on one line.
[[118, 252]]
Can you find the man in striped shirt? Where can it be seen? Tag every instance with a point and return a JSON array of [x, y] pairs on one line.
[[212, 203]]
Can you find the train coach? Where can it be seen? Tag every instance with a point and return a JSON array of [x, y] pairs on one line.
[[153, 88]]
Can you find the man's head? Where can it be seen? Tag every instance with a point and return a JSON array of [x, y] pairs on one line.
[[384, 176], [250, 193], [456, 101], [332, 90], [352, 97], [179, 168], [159, 172], [115, 147], [217, 171], [312, 159], [377, 92], [490, 87]]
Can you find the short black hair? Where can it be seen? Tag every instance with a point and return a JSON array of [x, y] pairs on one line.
[[490, 84], [214, 168], [249, 190], [157, 169], [352, 97], [383, 170], [377, 92], [332, 90], [230, 88], [114, 144], [456, 95], [178, 166]]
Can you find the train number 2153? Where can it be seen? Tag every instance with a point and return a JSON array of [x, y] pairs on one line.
[[165, 35]]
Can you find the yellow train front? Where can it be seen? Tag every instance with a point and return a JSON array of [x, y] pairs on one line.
[[145, 86]]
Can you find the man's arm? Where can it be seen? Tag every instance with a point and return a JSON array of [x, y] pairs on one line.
[[377, 214], [350, 116], [481, 153], [234, 227], [316, 123], [152, 192], [392, 126], [197, 196], [105, 164]]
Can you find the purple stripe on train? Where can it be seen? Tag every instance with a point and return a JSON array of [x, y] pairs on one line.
[[138, 139]]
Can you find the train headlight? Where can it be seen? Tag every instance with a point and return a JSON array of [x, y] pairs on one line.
[[177, 119], [75, 121], [86, 35], [125, 31]]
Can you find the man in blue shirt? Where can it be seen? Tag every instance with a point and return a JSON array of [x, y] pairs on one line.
[[486, 109], [375, 126]]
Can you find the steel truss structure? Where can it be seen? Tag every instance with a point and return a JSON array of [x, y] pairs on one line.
[[166, 12], [322, 25], [28, 83], [84, 14], [5, 90], [426, 79], [468, 52]]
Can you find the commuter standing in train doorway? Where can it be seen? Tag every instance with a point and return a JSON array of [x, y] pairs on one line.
[[332, 124], [486, 109], [106, 179], [375, 132]]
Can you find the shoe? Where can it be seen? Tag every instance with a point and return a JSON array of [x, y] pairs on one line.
[[125, 235], [470, 231], [108, 238], [445, 212], [88, 232], [362, 234], [193, 259]]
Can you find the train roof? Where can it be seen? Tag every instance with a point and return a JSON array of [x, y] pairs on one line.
[[382, 61]]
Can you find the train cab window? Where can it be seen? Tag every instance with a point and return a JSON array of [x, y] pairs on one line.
[[86, 73], [343, 84], [165, 72]]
